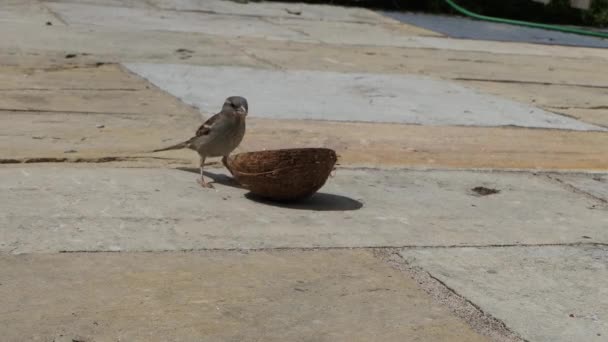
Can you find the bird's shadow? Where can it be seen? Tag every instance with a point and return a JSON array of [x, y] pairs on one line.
[[320, 201], [218, 178]]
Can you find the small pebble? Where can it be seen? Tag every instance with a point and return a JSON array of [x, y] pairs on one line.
[[100, 126], [48, 23], [70, 151]]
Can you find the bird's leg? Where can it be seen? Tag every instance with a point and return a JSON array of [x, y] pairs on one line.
[[202, 180]]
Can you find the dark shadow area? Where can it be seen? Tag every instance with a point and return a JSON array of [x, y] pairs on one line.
[[318, 202], [216, 178]]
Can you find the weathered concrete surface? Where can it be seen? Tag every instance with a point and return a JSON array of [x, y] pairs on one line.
[[268, 9], [584, 103], [113, 3], [31, 45], [280, 10], [348, 97], [33, 135], [27, 11], [592, 185], [467, 28], [108, 209], [135, 19], [53, 110], [545, 293], [57, 94], [224, 25], [485, 65], [105, 89], [294, 30], [344, 296], [46, 46]]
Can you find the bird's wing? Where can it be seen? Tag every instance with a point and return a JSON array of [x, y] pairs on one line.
[[206, 127], [203, 133]]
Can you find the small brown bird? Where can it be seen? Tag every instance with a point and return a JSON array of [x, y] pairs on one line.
[[219, 135]]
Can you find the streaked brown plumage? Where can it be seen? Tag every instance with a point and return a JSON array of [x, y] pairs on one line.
[[219, 135]]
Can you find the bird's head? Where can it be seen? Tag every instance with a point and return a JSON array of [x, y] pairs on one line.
[[236, 104]]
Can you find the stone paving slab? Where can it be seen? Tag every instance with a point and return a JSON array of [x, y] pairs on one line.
[[23, 44], [34, 135], [113, 3], [53, 110], [335, 96], [282, 10], [341, 33], [135, 19], [300, 11], [146, 19], [289, 29], [254, 24], [27, 11], [583, 103], [555, 293], [223, 23], [105, 89], [48, 45], [108, 209], [286, 296], [571, 67], [462, 27], [593, 185]]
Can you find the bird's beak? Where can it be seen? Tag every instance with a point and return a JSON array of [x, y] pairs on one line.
[[242, 110]]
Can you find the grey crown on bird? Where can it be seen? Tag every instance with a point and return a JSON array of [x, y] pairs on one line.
[[219, 135]]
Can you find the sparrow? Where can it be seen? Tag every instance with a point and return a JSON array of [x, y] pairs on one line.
[[219, 135]]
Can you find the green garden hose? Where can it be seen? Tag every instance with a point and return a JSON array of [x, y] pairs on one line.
[[526, 23]]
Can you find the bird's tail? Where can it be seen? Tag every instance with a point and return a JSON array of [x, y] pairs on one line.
[[174, 147]]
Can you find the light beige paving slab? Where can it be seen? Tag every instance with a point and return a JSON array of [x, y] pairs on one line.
[[105, 89], [141, 209], [286, 296], [35, 135], [48, 47], [295, 30], [300, 11], [113, 3], [363, 97], [107, 45], [552, 293], [591, 185], [341, 33], [136, 19], [585, 103], [27, 11], [454, 64], [54, 110]]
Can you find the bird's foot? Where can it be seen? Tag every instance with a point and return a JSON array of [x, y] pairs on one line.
[[204, 184]]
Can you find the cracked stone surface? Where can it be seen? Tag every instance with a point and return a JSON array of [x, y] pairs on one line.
[[349, 97], [217, 296], [64, 97], [545, 293], [108, 209]]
